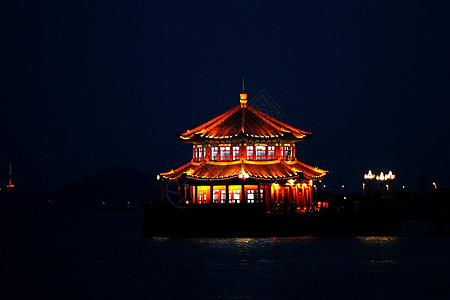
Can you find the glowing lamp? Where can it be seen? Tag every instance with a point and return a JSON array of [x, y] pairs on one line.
[[380, 177], [243, 174], [243, 98], [369, 175], [389, 176]]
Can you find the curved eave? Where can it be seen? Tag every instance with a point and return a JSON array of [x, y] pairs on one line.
[[312, 173], [199, 138], [322, 176], [251, 176], [174, 175], [273, 170]]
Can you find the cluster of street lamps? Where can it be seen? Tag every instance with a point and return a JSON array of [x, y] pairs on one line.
[[388, 178], [385, 180], [382, 178]]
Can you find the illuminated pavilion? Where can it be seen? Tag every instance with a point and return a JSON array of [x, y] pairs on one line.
[[245, 156]]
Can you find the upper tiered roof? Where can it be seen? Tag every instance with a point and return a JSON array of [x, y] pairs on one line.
[[243, 121]]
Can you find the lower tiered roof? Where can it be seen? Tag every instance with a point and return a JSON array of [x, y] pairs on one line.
[[262, 170]]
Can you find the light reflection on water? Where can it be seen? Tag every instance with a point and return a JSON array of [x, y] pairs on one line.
[[253, 242], [102, 256], [383, 261], [378, 239], [160, 238], [380, 250]]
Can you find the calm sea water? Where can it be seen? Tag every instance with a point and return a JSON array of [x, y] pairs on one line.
[[102, 256]]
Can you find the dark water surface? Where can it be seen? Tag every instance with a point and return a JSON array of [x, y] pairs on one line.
[[102, 256]]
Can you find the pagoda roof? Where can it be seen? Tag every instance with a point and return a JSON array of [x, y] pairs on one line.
[[243, 121], [262, 170]]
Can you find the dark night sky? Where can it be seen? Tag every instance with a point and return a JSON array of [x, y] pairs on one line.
[[88, 85]]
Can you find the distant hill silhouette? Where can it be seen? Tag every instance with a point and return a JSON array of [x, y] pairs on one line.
[[111, 188]]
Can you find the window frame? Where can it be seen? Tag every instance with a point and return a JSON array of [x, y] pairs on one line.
[[258, 151], [250, 150], [234, 149], [215, 150], [271, 149], [225, 150]]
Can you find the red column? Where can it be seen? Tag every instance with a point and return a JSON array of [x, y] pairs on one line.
[[310, 194], [277, 151], [211, 194], [258, 194], [271, 198], [194, 194], [208, 152], [290, 196], [227, 197]]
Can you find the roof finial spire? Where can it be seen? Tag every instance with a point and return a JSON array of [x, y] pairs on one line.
[[243, 94], [10, 185]]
